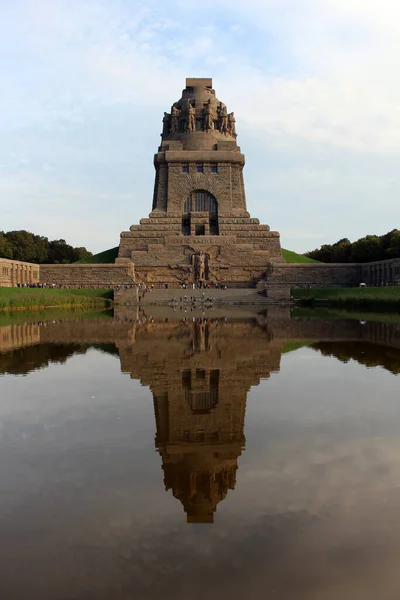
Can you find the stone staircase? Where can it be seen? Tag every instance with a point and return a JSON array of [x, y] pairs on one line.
[[208, 296]]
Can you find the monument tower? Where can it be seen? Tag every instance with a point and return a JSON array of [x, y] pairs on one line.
[[199, 228]]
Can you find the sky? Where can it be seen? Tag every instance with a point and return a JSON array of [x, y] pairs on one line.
[[314, 85]]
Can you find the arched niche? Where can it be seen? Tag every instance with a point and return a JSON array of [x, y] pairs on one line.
[[201, 201], [204, 202]]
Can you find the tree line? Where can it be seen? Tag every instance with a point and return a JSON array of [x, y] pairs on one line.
[[28, 247], [366, 249]]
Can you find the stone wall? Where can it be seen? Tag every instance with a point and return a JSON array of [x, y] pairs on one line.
[[14, 272], [88, 276], [314, 274], [384, 272], [232, 258]]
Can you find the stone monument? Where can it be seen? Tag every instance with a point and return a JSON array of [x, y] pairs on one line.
[[199, 228]]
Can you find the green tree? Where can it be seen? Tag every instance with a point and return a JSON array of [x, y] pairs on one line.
[[27, 246], [82, 253], [5, 248], [323, 254], [367, 249], [59, 252], [391, 244], [341, 251]]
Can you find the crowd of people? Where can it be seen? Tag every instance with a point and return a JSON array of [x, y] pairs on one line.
[[185, 286], [38, 285], [141, 286]]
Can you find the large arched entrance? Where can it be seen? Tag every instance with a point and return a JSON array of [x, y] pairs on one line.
[[204, 202]]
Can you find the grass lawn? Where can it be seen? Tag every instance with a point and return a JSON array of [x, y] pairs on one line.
[[379, 298], [29, 298], [293, 257]]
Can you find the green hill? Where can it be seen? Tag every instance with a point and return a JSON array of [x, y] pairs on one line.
[[293, 257], [105, 257], [109, 256]]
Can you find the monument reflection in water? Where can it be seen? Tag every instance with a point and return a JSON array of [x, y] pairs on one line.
[[199, 371]]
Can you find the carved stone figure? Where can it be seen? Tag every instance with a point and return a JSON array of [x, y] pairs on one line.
[[175, 114], [201, 266], [223, 118], [191, 122], [166, 124], [199, 263], [208, 117], [232, 124]]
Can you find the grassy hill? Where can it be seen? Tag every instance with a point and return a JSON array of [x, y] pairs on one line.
[[293, 257], [105, 257], [109, 256]]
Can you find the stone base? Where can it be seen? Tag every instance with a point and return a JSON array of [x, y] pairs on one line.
[[238, 255]]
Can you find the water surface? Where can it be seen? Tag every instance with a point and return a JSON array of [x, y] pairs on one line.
[[199, 457]]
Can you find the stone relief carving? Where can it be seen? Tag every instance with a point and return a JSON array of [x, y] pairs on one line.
[[222, 121], [200, 264]]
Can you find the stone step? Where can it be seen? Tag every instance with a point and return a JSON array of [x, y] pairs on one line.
[[238, 220], [229, 296], [249, 227]]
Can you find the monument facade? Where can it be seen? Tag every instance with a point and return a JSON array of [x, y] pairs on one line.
[[199, 229]]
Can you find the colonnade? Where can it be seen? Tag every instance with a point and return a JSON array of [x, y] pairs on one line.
[[14, 273], [386, 272]]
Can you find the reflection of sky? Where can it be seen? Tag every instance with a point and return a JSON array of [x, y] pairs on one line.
[[315, 504]]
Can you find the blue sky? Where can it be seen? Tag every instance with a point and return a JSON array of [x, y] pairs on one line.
[[314, 85]]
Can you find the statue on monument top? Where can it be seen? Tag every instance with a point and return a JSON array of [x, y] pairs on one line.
[[175, 114], [166, 124], [208, 117], [232, 124], [223, 118], [191, 122]]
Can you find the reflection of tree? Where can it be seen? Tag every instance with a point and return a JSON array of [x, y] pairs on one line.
[[365, 353], [24, 360]]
